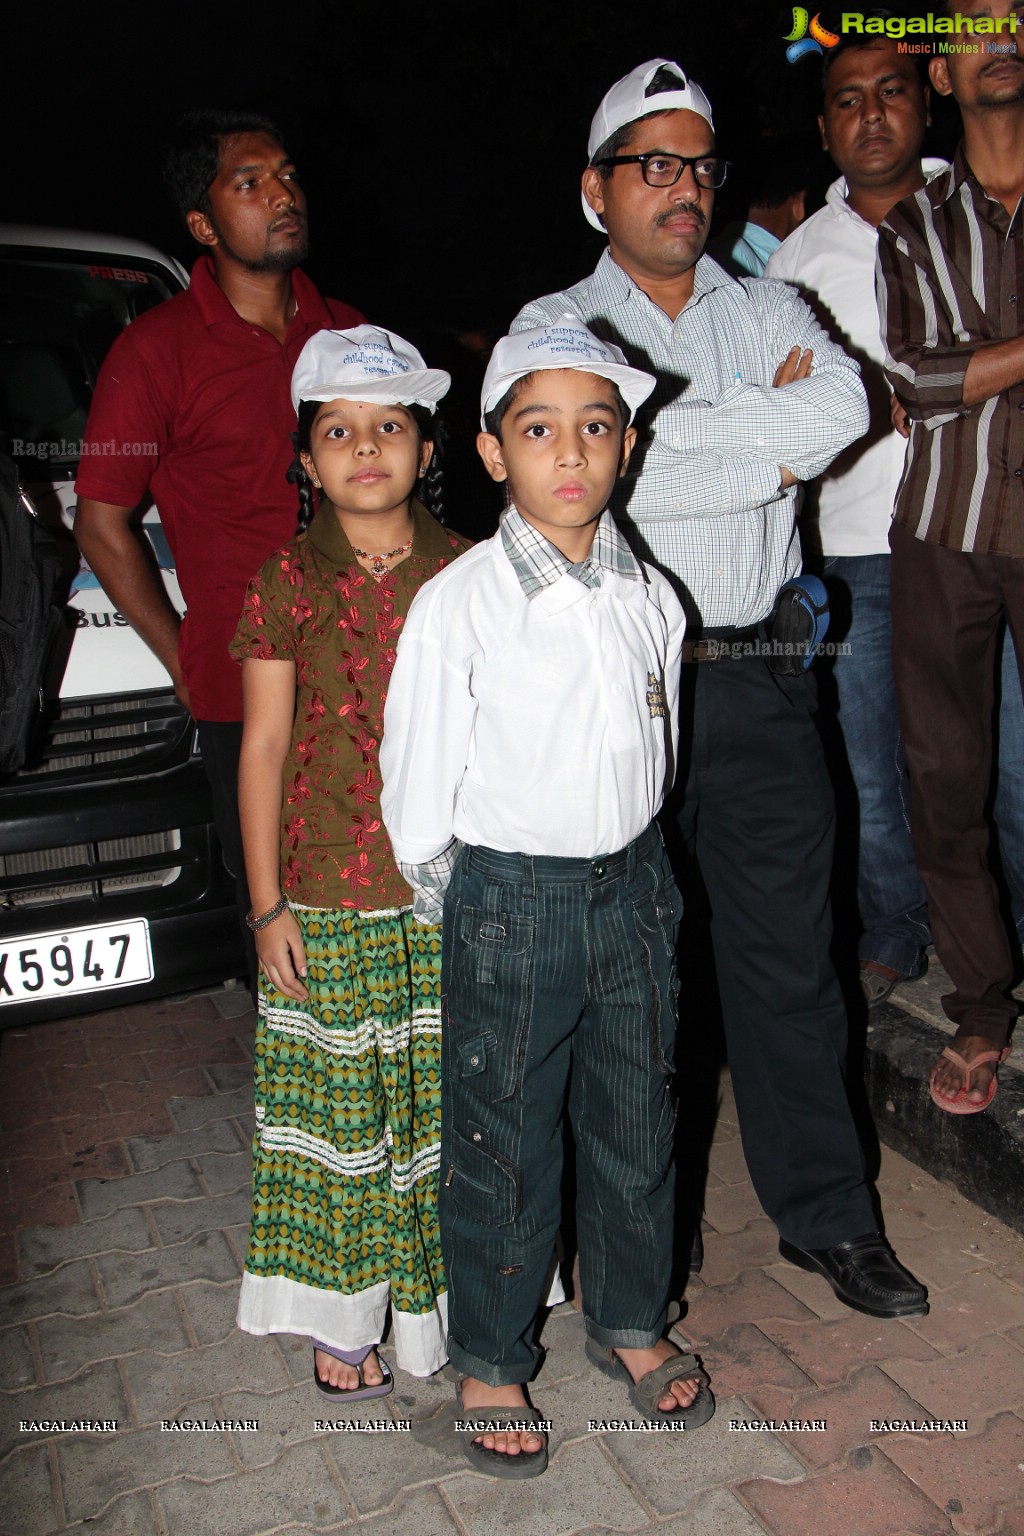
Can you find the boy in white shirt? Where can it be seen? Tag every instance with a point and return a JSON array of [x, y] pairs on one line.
[[530, 734]]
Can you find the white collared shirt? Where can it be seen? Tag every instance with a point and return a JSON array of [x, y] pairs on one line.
[[542, 725], [831, 256], [703, 495]]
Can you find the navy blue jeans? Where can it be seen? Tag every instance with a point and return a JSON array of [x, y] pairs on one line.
[[559, 993], [890, 893]]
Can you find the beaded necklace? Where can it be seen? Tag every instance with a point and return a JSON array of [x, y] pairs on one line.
[[379, 567]]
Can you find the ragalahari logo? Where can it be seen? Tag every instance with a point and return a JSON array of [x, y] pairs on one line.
[[800, 43], [988, 28]]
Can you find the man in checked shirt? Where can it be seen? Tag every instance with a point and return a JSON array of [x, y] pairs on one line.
[[752, 397], [950, 292]]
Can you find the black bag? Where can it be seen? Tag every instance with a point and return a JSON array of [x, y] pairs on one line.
[[29, 617]]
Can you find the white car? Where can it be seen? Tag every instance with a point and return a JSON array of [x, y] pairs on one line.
[[112, 887]]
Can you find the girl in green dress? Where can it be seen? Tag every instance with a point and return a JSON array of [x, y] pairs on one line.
[[346, 1149]]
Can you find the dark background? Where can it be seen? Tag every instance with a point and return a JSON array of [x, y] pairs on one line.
[[440, 143]]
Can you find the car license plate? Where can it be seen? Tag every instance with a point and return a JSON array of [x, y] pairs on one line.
[[75, 960]]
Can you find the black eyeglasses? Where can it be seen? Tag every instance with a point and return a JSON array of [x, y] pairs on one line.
[[665, 170]]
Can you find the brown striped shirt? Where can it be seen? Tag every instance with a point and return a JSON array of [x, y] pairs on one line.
[[950, 278]]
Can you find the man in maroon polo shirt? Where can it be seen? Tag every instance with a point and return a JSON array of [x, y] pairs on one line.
[[203, 383]]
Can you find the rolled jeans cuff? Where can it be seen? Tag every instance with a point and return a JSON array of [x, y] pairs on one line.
[[905, 956], [625, 1338], [486, 1371]]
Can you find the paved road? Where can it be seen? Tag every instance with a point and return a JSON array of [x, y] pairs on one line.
[[123, 1216]]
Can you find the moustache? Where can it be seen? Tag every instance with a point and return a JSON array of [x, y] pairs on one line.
[[693, 210]]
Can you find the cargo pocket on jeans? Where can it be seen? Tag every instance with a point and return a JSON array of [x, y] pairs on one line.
[[474, 1054], [489, 999], [484, 1186]]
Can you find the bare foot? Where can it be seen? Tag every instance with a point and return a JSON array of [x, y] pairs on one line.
[[948, 1079], [477, 1394], [346, 1377], [679, 1393]]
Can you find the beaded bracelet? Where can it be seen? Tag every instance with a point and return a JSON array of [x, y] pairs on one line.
[[255, 923]]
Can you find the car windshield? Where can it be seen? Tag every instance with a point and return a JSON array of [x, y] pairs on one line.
[[59, 314]]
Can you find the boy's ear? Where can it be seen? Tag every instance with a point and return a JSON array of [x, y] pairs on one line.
[[628, 441], [306, 460], [489, 449]]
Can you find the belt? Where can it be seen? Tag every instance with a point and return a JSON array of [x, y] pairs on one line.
[[723, 644]]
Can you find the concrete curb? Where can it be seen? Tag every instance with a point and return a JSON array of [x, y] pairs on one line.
[[982, 1155]]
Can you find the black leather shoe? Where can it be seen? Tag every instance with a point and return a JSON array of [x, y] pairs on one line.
[[865, 1274]]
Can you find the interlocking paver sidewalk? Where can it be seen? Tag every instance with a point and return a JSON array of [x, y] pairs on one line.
[[122, 1231]]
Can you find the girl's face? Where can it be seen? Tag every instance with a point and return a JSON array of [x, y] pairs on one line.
[[366, 457]]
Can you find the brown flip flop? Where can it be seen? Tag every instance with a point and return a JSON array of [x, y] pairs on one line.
[[962, 1105]]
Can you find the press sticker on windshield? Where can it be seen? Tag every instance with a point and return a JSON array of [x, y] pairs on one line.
[[120, 274]]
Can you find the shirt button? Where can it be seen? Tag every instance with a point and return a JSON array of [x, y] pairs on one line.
[[618, 686], [1017, 474], [608, 646], [1013, 298]]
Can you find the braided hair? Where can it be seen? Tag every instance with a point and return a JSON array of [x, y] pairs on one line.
[[429, 490], [297, 476], [431, 429]]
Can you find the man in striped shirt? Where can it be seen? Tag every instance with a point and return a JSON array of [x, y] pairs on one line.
[[739, 416], [950, 290]]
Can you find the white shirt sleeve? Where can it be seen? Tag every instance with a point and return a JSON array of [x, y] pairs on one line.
[[782, 265], [428, 730]]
